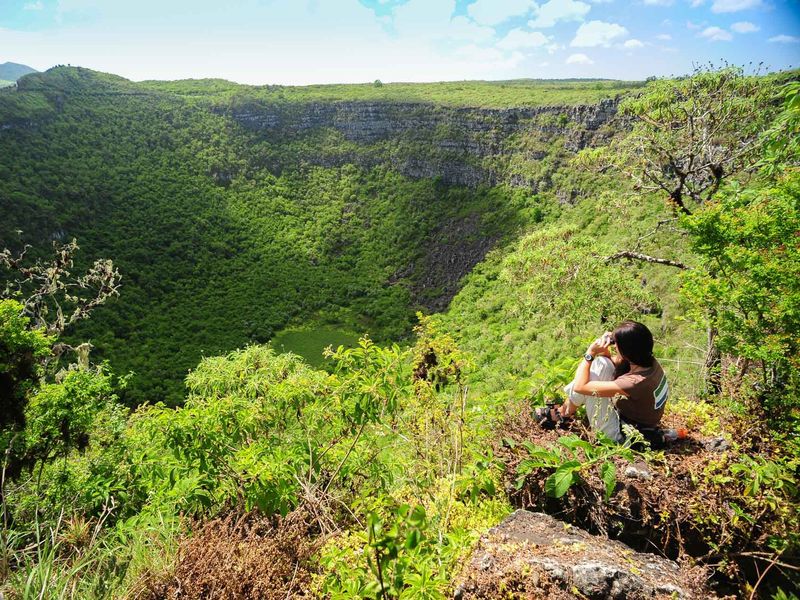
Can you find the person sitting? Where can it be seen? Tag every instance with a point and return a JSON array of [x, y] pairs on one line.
[[626, 387]]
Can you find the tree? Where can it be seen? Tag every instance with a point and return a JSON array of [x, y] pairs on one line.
[[783, 138], [59, 415], [40, 300], [749, 271], [22, 350], [689, 135]]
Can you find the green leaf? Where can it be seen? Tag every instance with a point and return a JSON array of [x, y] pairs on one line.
[[527, 466], [573, 442], [608, 473], [413, 539], [741, 513], [417, 517], [373, 527], [559, 482]]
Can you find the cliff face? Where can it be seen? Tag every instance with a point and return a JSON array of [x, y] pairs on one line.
[[460, 146]]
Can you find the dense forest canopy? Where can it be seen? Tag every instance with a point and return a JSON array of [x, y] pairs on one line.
[[460, 244]]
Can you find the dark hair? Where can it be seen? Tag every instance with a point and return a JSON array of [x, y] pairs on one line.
[[635, 343]]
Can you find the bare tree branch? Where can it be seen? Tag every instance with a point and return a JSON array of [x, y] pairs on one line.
[[646, 258]]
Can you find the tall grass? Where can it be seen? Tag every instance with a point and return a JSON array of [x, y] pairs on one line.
[[72, 559]]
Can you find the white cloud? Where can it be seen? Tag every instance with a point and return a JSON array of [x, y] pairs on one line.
[[597, 33], [658, 2], [784, 39], [696, 3], [33, 5], [492, 12], [716, 34], [691, 25], [554, 11], [664, 37], [331, 42], [461, 28], [487, 59], [745, 27], [517, 38], [427, 20], [579, 59], [632, 44], [726, 6]]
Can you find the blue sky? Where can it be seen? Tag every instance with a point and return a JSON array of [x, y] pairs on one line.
[[326, 41]]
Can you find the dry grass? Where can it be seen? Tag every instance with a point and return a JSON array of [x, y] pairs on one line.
[[243, 557]]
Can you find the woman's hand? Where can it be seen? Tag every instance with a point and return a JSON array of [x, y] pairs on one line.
[[600, 346]]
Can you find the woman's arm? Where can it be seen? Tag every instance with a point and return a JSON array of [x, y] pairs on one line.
[[603, 389]]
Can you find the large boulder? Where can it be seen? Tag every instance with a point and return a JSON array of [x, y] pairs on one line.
[[533, 555]]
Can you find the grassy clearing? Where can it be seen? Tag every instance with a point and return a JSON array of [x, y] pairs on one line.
[[310, 343]]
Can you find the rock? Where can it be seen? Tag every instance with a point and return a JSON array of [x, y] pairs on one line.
[[450, 252], [717, 444], [638, 470], [486, 563], [537, 556]]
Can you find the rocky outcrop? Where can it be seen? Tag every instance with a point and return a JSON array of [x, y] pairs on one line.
[[459, 146], [533, 555], [450, 252], [368, 122]]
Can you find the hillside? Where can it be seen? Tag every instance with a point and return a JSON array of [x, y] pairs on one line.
[[250, 209], [10, 71]]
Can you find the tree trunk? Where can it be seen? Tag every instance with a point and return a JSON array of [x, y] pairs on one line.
[[713, 362]]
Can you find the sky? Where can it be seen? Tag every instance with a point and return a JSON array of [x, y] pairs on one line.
[[297, 42]]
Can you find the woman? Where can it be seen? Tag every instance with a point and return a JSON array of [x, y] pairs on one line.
[[627, 388]]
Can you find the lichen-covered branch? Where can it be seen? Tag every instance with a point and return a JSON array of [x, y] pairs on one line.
[[52, 297], [646, 258]]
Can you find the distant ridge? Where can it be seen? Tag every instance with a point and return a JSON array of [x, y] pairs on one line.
[[10, 71]]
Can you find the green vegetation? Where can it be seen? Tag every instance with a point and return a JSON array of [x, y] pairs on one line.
[[370, 471], [571, 456], [225, 235], [21, 352], [487, 94], [215, 250], [310, 343]]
